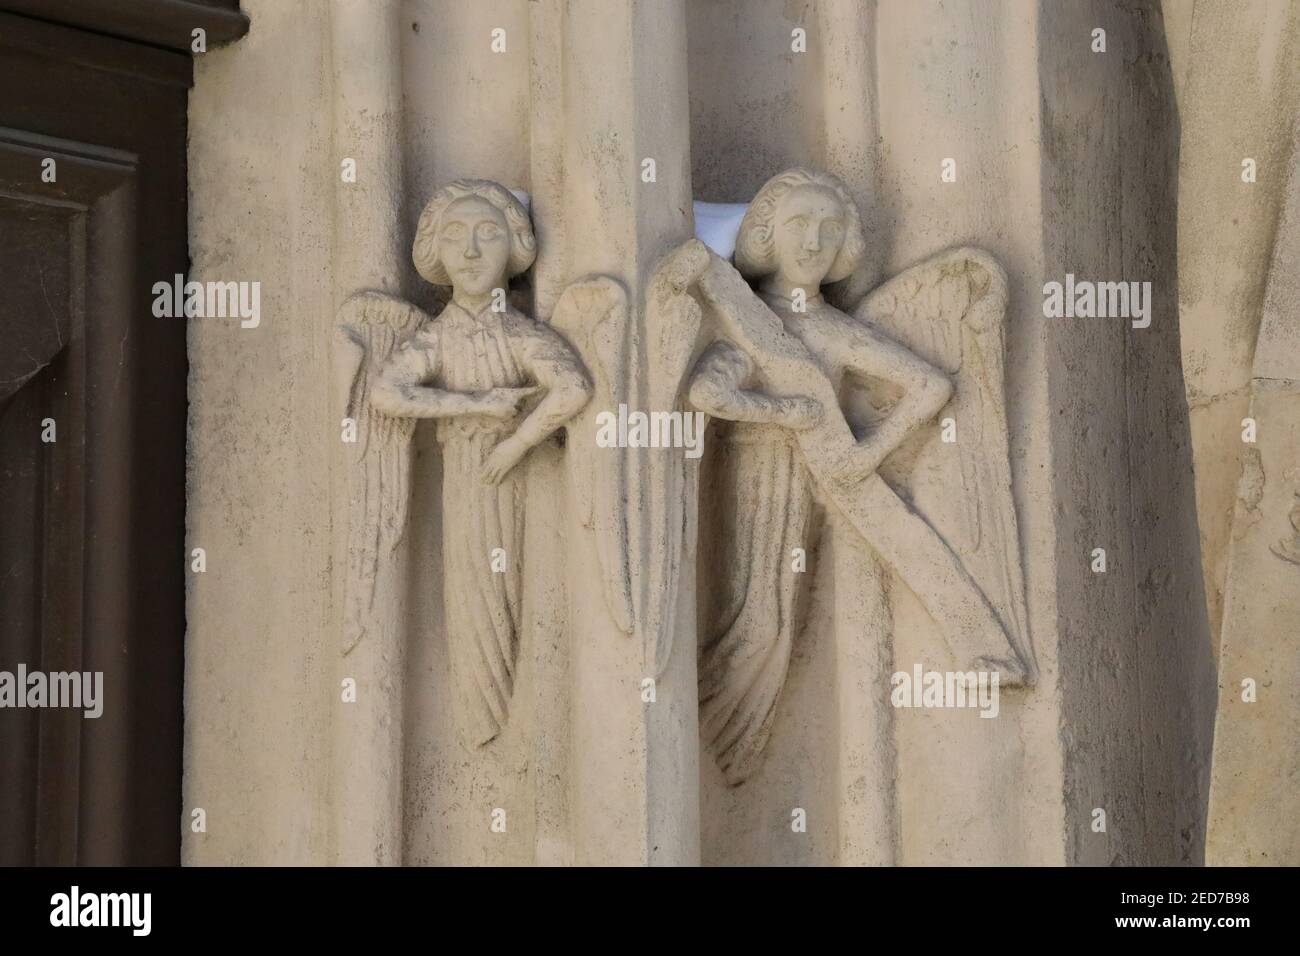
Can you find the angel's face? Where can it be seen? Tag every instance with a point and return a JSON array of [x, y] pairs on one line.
[[474, 245], [808, 235]]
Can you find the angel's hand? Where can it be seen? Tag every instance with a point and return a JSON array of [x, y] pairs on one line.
[[681, 268], [798, 412], [502, 458], [503, 403]]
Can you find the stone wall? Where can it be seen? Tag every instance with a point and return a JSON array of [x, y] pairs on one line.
[[1066, 160]]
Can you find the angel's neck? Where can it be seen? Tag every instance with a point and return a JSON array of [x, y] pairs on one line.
[[471, 303], [783, 288]]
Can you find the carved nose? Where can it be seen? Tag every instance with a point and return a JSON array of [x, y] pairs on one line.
[[471, 249], [812, 241]]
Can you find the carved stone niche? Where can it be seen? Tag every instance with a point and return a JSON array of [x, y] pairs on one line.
[[768, 364], [569, 652]]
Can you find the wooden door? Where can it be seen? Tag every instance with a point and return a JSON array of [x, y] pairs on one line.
[[92, 429]]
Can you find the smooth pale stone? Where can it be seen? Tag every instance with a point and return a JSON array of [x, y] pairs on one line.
[[260, 643], [633, 782], [1233, 67], [1255, 790], [1254, 813], [368, 743]]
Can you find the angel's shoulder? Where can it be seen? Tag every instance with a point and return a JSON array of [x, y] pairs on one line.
[[519, 323], [424, 338]]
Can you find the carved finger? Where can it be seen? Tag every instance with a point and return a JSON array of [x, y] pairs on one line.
[[491, 473]]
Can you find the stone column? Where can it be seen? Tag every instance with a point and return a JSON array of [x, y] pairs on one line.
[[847, 34], [1135, 666], [368, 251], [612, 75]]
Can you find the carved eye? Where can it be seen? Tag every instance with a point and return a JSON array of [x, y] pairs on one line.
[[453, 230], [489, 231], [833, 228], [797, 222]]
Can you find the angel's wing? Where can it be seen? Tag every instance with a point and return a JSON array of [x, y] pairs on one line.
[[371, 326], [951, 311], [668, 479], [593, 315], [635, 501]]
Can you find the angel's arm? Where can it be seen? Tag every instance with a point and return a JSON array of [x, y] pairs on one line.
[[400, 388], [717, 389], [557, 369], [925, 388]]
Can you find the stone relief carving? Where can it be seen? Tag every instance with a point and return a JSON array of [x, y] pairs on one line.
[[593, 314], [640, 579], [372, 326], [945, 523], [939, 515], [498, 385]]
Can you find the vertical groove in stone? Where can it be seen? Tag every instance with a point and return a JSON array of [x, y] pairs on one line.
[[367, 254]]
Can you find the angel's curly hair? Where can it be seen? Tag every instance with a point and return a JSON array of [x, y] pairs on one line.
[[523, 244], [755, 246]]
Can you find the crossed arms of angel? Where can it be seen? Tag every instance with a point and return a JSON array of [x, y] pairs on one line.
[[722, 383], [719, 387], [406, 385]]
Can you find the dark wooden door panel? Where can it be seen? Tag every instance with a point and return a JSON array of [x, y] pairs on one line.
[[92, 524], [40, 494]]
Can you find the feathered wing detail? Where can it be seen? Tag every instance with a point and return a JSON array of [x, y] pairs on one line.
[[906, 543], [593, 315], [673, 327], [951, 311], [371, 326]]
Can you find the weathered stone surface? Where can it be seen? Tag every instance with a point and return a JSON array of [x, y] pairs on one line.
[[652, 674]]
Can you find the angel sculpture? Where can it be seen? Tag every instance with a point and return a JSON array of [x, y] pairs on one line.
[[934, 337], [471, 368]]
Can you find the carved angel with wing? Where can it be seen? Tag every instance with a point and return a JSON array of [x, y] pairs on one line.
[[926, 341], [471, 369]]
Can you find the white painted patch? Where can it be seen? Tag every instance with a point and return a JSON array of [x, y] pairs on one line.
[[718, 223]]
